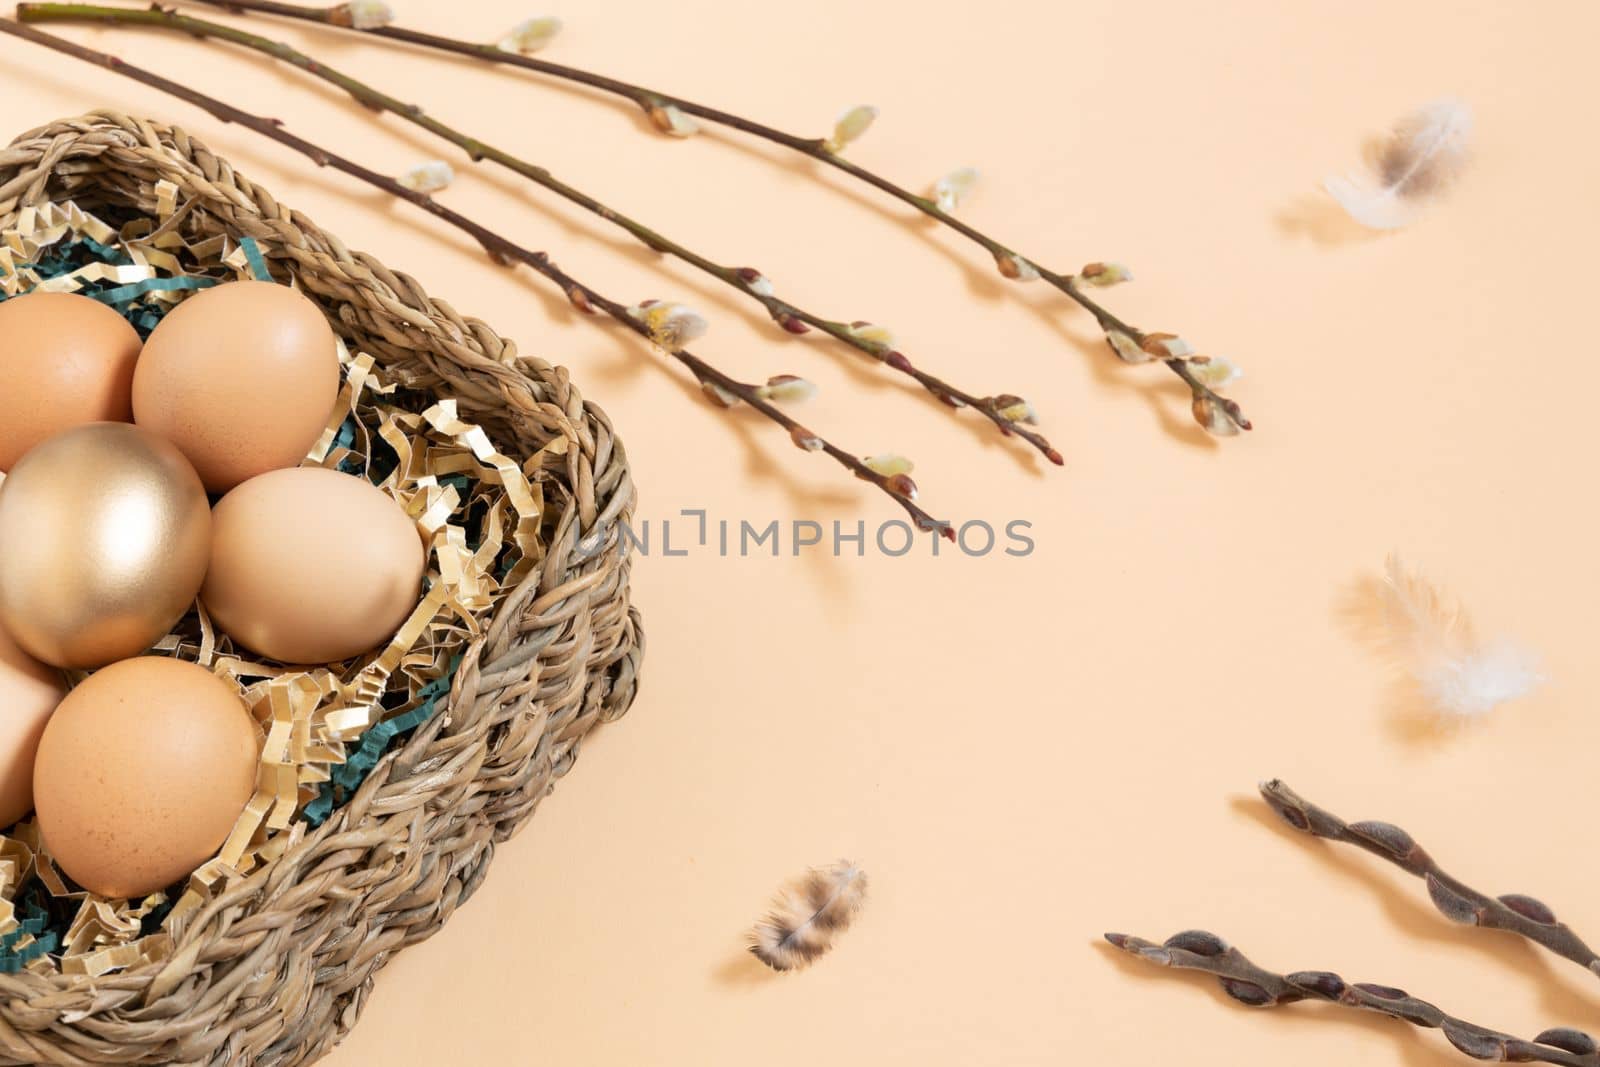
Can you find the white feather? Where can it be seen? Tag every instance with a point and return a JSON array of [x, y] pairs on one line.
[[1477, 683], [1376, 209], [1423, 155], [1457, 673]]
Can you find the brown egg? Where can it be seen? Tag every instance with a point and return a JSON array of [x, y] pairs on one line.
[[241, 377], [141, 773], [29, 692], [106, 533], [67, 360], [311, 566]]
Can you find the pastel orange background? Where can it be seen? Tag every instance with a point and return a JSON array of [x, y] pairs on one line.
[[1022, 752]]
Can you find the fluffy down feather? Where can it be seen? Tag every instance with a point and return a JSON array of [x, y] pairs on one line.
[[1459, 674], [1422, 156], [808, 915]]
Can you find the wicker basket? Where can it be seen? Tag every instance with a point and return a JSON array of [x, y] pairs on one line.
[[276, 969]]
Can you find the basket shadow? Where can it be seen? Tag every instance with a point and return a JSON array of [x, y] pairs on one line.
[[1413, 1046], [1409, 909]]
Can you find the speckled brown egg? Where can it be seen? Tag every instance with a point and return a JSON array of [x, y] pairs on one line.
[[241, 377], [64, 360], [141, 774], [311, 566], [29, 692]]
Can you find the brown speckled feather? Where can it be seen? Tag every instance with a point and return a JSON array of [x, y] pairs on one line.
[[808, 916]]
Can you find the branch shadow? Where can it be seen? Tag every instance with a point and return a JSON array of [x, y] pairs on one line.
[[760, 463], [981, 282], [1160, 396], [630, 356], [1413, 915], [1167, 400], [708, 291], [1164, 394], [865, 373], [1412, 1044]]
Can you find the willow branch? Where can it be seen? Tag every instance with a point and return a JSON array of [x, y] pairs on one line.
[[1244, 981], [655, 102], [1514, 912], [502, 250], [747, 281]]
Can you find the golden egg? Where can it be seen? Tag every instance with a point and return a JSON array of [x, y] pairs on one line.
[[68, 360], [241, 377], [312, 566], [29, 692], [141, 774], [106, 534]]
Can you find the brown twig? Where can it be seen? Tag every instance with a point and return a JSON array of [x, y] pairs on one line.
[[502, 250], [1209, 405], [1005, 410], [1244, 981], [1513, 912]]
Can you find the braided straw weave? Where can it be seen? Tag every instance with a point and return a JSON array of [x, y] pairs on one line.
[[276, 968]]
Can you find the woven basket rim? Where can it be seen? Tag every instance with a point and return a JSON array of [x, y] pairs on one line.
[[560, 655]]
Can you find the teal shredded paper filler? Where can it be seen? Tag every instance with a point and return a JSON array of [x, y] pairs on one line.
[[129, 300], [31, 926], [348, 776], [258, 262]]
